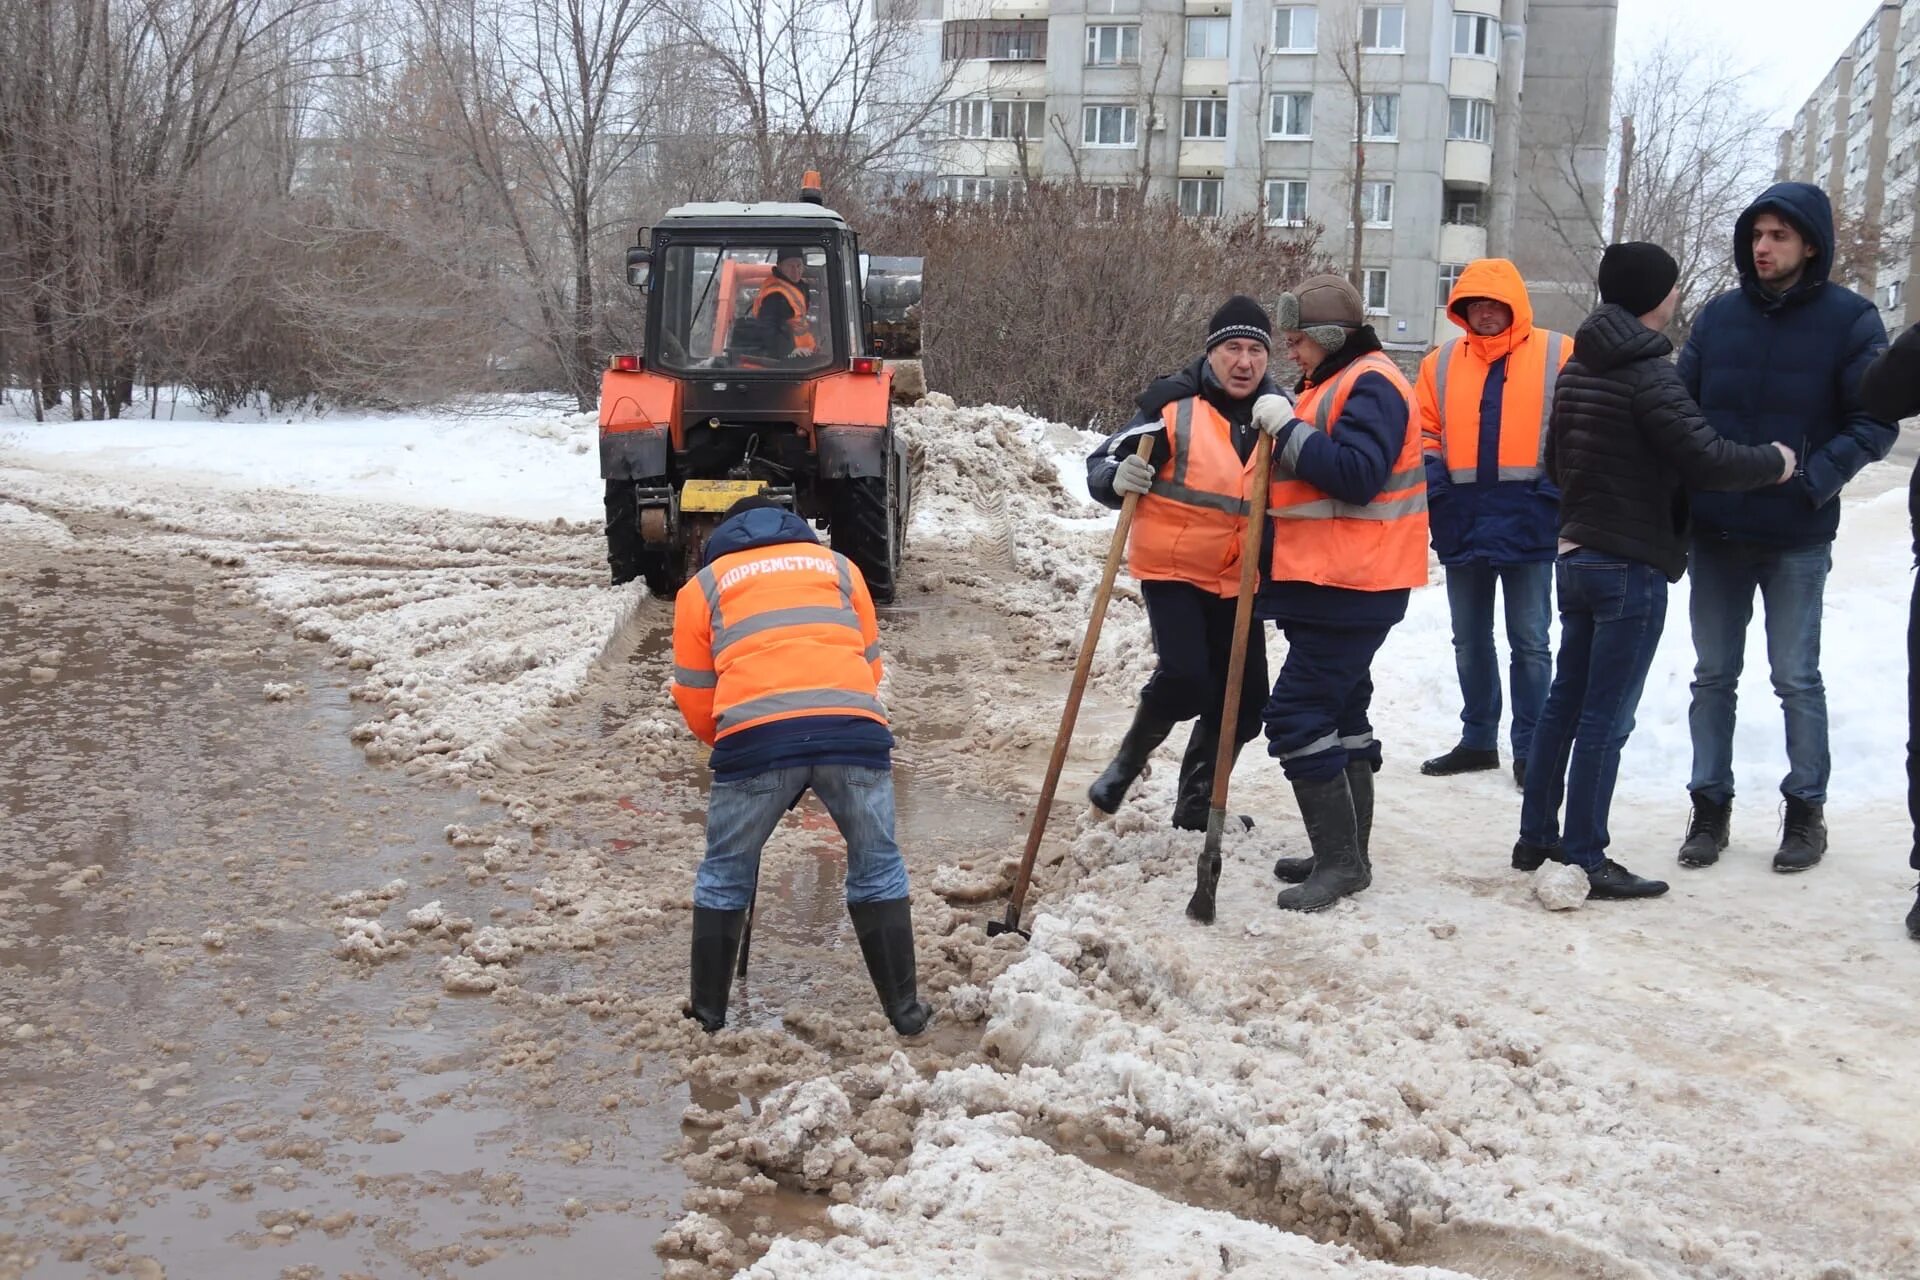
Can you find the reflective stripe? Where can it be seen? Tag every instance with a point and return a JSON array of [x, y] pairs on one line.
[[1555, 345], [1297, 441], [1444, 367], [1198, 497], [1383, 507], [1471, 475], [840, 562], [800, 616], [1357, 742], [872, 652], [688, 678], [844, 700], [1313, 748], [1182, 440], [710, 588]]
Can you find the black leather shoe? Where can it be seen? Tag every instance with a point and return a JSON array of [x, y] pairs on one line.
[[1803, 836], [1707, 832], [1461, 760], [1611, 880], [1520, 774], [1530, 857]]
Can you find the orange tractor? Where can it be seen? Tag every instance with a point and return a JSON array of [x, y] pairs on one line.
[[761, 373]]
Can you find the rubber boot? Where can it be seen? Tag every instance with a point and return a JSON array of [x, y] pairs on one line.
[[1195, 796], [1913, 916], [1146, 732], [1707, 832], [1360, 784], [716, 943], [1339, 867], [885, 930], [1803, 836]]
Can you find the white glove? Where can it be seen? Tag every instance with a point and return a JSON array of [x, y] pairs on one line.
[[1134, 476], [1272, 412]]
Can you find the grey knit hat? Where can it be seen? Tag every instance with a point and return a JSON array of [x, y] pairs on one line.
[[1325, 308]]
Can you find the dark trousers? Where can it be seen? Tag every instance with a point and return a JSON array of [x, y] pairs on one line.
[[1193, 642], [1317, 716], [1612, 612], [1913, 724]]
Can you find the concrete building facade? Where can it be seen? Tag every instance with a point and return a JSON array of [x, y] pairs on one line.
[[1232, 107], [1858, 137]]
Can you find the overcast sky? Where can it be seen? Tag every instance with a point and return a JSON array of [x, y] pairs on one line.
[[1789, 44]]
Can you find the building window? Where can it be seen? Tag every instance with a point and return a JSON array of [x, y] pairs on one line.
[[1000, 39], [1287, 202], [1896, 292], [1110, 125], [1449, 276], [1200, 197], [1207, 37], [1475, 35], [1294, 28], [1203, 118], [1374, 290], [972, 190], [1461, 210], [1381, 112], [1383, 28], [996, 120], [1290, 115], [1376, 204], [1469, 119], [1113, 46]]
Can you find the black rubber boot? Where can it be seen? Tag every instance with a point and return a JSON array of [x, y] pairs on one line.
[[1339, 866], [885, 930], [1145, 733], [1706, 833], [716, 942], [1360, 785], [1803, 836], [1461, 760], [1913, 916], [1611, 880], [1195, 796]]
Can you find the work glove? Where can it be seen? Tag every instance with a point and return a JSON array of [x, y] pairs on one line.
[[1272, 412], [1135, 475]]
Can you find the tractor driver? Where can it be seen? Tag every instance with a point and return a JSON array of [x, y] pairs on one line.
[[781, 307]]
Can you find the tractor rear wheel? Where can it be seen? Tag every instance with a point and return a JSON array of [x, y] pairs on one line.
[[868, 523], [629, 554]]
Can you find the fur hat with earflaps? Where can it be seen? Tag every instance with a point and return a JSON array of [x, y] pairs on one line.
[[1325, 308]]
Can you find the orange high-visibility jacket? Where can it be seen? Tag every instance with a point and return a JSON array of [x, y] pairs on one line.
[[1189, 526], [1378, 546], [775, 633], [796, 300], [1454, 375]]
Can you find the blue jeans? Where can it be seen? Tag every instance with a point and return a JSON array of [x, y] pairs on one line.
[[1612, 611], [1792, 584], [741, 815], [1528, 592]]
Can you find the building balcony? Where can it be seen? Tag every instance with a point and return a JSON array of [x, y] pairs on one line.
[[1201, 76], [1459, 243], [1469, 164], [1202, 158], [1473, 78]]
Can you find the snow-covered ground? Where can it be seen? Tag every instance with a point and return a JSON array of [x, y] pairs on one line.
[[1440, 1072]]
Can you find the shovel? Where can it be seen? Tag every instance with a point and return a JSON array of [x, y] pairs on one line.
[[1043, 808], [1200, 906]]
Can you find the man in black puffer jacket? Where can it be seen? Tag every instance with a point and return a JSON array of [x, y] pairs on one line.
[[1891, 391], [1625, 444]]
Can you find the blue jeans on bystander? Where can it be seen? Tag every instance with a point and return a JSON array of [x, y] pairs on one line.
[[1527, 592]]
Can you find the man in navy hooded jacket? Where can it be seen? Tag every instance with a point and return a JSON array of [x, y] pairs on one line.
[[1777, 359]]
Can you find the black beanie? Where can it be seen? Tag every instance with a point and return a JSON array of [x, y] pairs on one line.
[[1637, 275], [1240, 317]]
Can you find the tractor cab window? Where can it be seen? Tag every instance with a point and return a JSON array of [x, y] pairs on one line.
[[745, 306]]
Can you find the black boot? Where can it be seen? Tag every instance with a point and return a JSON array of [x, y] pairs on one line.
[[1360, 785], [1520, 774], [1146, 732], [1706, 833], [1528, 857], [1913, 916], [885, 930], [1611, 880], [1803, 836], [1339, 867], [1461, 760], [1197, 766], [716, 942]]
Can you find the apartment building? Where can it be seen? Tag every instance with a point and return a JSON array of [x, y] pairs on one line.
[[1232, 107], [1858, 136]]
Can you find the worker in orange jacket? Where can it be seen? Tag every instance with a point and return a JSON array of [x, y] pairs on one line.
[[1347, 543], [776, 666], [1185, 548], [781, 305], [1483, 400]]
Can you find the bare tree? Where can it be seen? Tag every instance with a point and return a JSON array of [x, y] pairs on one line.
[[1344, 25], [1700, 152]]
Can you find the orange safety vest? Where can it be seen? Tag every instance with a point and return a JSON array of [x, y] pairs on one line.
[[796, 302], [1378, 546], [1188, 527], [775, 633]]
